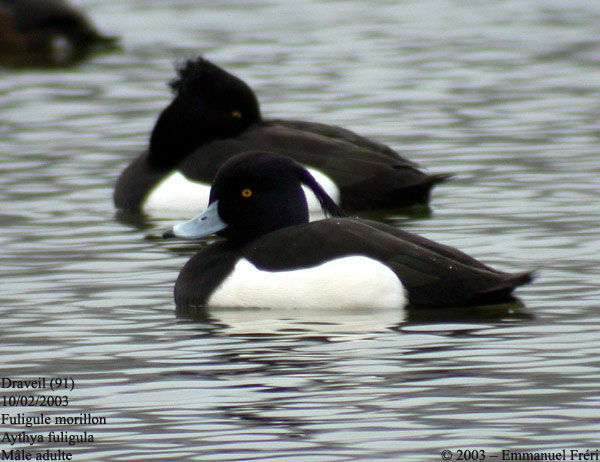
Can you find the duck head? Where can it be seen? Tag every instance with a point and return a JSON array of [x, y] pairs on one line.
[[253, 194], [209, 103]]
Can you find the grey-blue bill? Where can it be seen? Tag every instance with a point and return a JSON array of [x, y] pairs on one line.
[[208, 222]]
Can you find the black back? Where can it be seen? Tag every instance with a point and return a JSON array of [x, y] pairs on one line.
[[367, 179]]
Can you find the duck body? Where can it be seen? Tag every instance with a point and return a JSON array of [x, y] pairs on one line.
[[46, 31], [340, 262], [193, 143], [274, 257]]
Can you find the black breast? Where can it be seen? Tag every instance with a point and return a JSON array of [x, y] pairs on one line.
[[201, 275], [134, 184]]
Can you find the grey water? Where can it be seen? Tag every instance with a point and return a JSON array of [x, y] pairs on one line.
[[503, 94]]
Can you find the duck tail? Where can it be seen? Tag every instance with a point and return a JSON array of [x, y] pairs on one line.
[[107, 41], [502, 290], [519, 279], [419, 193]]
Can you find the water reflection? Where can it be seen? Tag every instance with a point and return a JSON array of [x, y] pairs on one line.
[[327, 323], [349, 323]]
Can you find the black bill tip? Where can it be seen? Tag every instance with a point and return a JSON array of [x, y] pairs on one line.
[[168, 234]]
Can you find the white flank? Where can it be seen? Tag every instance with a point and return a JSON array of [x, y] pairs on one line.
[[352, 282], [177, 197]]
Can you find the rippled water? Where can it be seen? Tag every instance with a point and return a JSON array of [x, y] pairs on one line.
[[504, 94]]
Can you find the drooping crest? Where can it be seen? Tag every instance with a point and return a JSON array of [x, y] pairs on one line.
[[191, 73], [327, 203], [194, 73]]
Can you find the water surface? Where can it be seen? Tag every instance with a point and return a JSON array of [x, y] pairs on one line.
[[505, 95]]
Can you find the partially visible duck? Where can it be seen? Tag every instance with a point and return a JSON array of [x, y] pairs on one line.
[[46, 32], [215, 115], [273, 257]]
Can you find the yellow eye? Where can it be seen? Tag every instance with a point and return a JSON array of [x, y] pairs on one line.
[[236, 114], [246, 193]]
